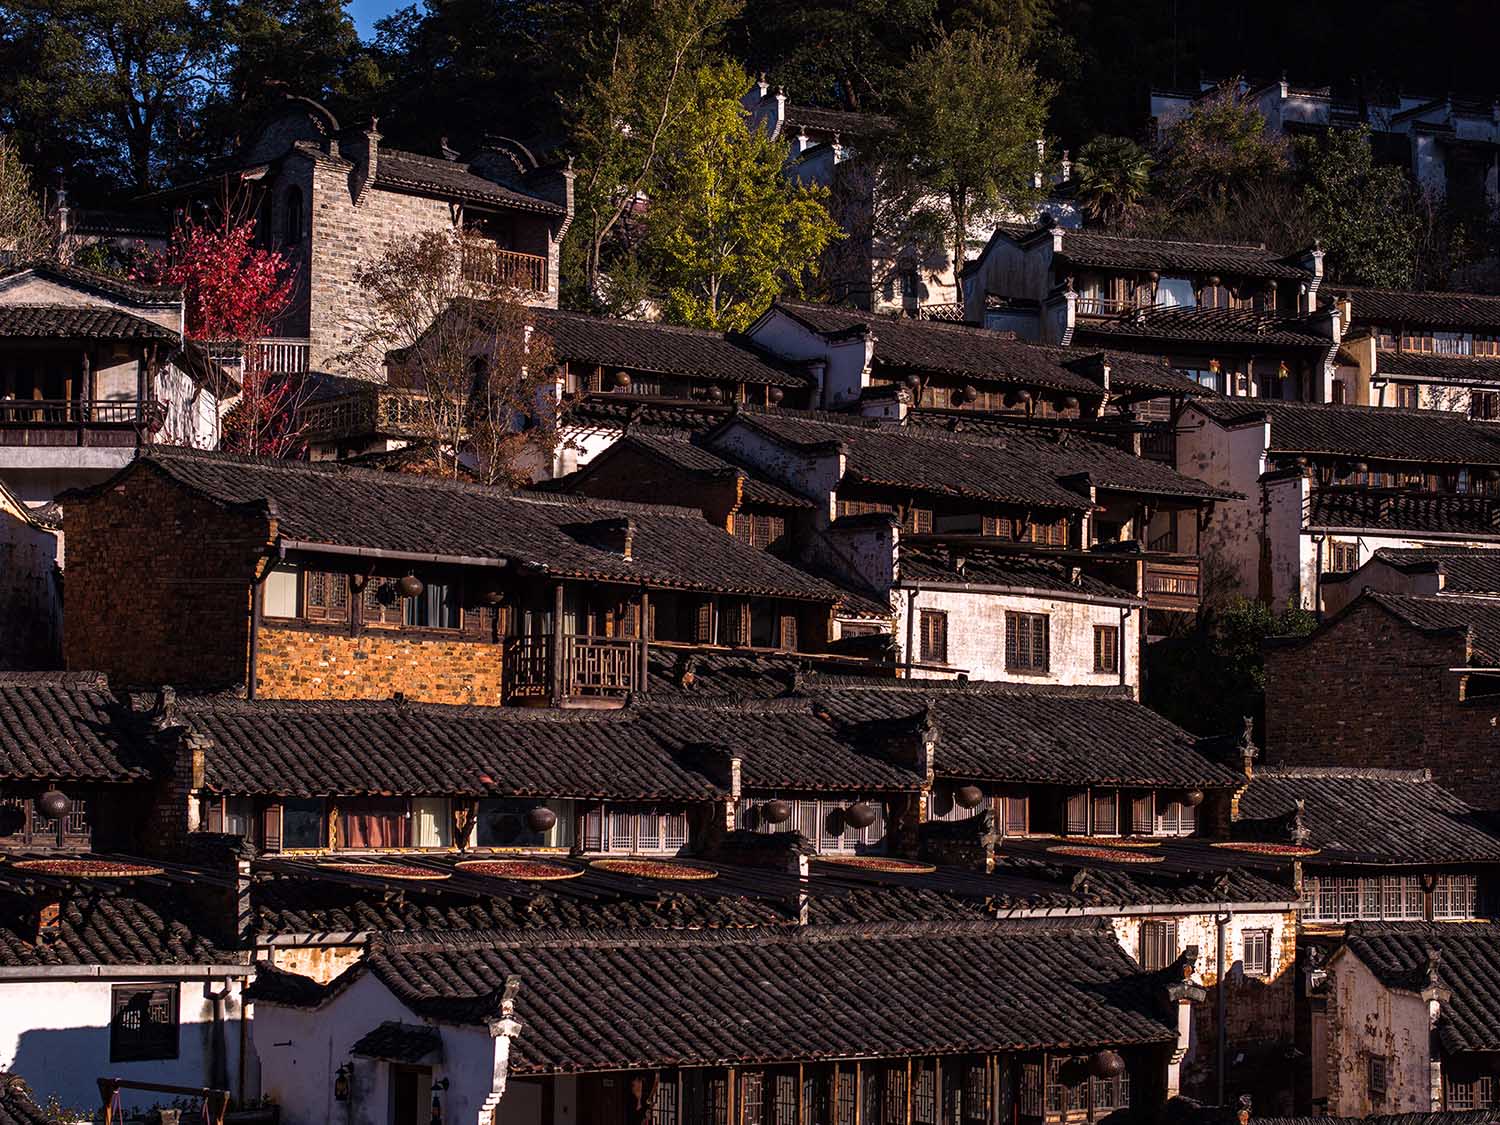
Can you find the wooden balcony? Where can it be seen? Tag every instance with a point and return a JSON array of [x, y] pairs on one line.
[[510, 269], [283, 355], [1173, 585], [368, 412], [592, 668], [1159, 443], [53, 423]]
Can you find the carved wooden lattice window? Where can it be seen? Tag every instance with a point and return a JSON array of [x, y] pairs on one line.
[[144, 1023]]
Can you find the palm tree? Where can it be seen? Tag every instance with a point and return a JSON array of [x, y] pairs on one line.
[[1114, 175]]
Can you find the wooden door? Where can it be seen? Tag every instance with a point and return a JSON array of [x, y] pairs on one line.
[[411, 1095]]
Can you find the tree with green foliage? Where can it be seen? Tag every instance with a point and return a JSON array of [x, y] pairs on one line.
[[728, 231], [1218, 147], [25, 233], [1113, 175], [641, 87], [105, 88], [968, 121], [1365, 212], [1209, 679]]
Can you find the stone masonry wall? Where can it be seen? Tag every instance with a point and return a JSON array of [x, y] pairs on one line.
[[306, 664], [1369, 691], [159, 584]]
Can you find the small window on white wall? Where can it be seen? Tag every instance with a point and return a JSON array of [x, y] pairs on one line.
[[279, 594]]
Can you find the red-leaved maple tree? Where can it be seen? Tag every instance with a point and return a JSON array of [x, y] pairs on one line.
[[233, 291]]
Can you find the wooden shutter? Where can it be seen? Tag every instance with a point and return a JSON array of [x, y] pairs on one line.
[[593, 829], [1077, 820], [736, 623], [934, 628], [1017, 821], [1106, 648], [213, 814], [315, 595], [788, 638], [1142, 815], [703, 629], [1106, 804], [1158, 945], [270, 828]]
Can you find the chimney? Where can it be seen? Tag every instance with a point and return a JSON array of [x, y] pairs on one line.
[[367, 158]]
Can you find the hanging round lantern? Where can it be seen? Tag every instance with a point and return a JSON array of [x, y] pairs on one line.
[[776, 812], [53, 804], [1011, 398], [971, 393], [1106, 1064], [622, 379], [715, 394], [775, 395], [1024, 396], [1067, 402], [859, 815], [493, 597], [968, 796], [1300, 462], [1193, 798], [541, 819], [410, 586], [914, 381]]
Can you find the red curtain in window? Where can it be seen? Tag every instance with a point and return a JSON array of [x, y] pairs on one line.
[[373, 822]]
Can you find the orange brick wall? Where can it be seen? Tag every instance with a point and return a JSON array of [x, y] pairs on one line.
[[306, 664]]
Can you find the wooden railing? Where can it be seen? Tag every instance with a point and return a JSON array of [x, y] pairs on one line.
[[490, 265], [1159, 443], [284, 355], [1173, 585], [74, 422], [593, 667], [376, 410]]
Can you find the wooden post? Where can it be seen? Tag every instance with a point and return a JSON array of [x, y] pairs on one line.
[[643, 627], [559, 645]]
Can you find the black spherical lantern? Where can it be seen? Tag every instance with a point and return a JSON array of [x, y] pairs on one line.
[[859, 815], [53, 804], [1193, 798], [1024, 396], [913, 382], [622, 379], [492, 597], [1106, 1064], [1068, 403], [775, 395], [971, 393], [776, 812], [1011, 398], [715, 394], [410, 586], [968, 796], [541, 819]]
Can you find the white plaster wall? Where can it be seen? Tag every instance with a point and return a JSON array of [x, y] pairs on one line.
[[1294, 558], [815, 476], [1231, 459], [301, 1051], [192, 411], [1009, 271], [1366, 1018], [1374, 573], [55, 1035], [579, 444], [976, 635]]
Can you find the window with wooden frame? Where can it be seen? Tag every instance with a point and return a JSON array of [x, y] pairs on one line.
[[758, 530], [734, 622], [325, 596], [917, 521], [1417, 340], [1076, 813], [634, 828], [1407, 395], [1343, 556], [1105, 811], [234, 815], [436, 607], [1385, 339], [22, 823], [380, 603], [823, 825], [924, 1092], [280, 594], [864, 508], [705, 1097], [1340, 392], [1484, 405], [1175, 817], [1466, 1093], [294, 823], [143, 1022], [1256, 958], [1377, 1076], [1026, 642], [1016, 814], [1029, 1098], [501, 823], [1159, 947], [1107, 649], [1142, 814], [933, 644]]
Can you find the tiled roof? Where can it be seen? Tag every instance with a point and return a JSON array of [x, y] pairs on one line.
[[691, 457], [121, 288], [1372, 432], [1439, 310], [1468, 965], [1456, 369], [313, 904], [1072, 454], [399, 1042], [952, 349], [1238, 259], [607, 1001], [643, 345], [1135, 372], [921, 459], [844, 122], [1465, 570], [57, 726], [16, 1104], [1480, 617], [409, 171], [1432, 513], [333, 504], [96, 322], [1039, 734], [634, 413], [1209, 326], [982, 566], [783, 745], [320, 749], [1367, 815], [736, 674], [125, 925]]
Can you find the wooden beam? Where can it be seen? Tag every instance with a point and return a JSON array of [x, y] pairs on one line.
[[559, 645]]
